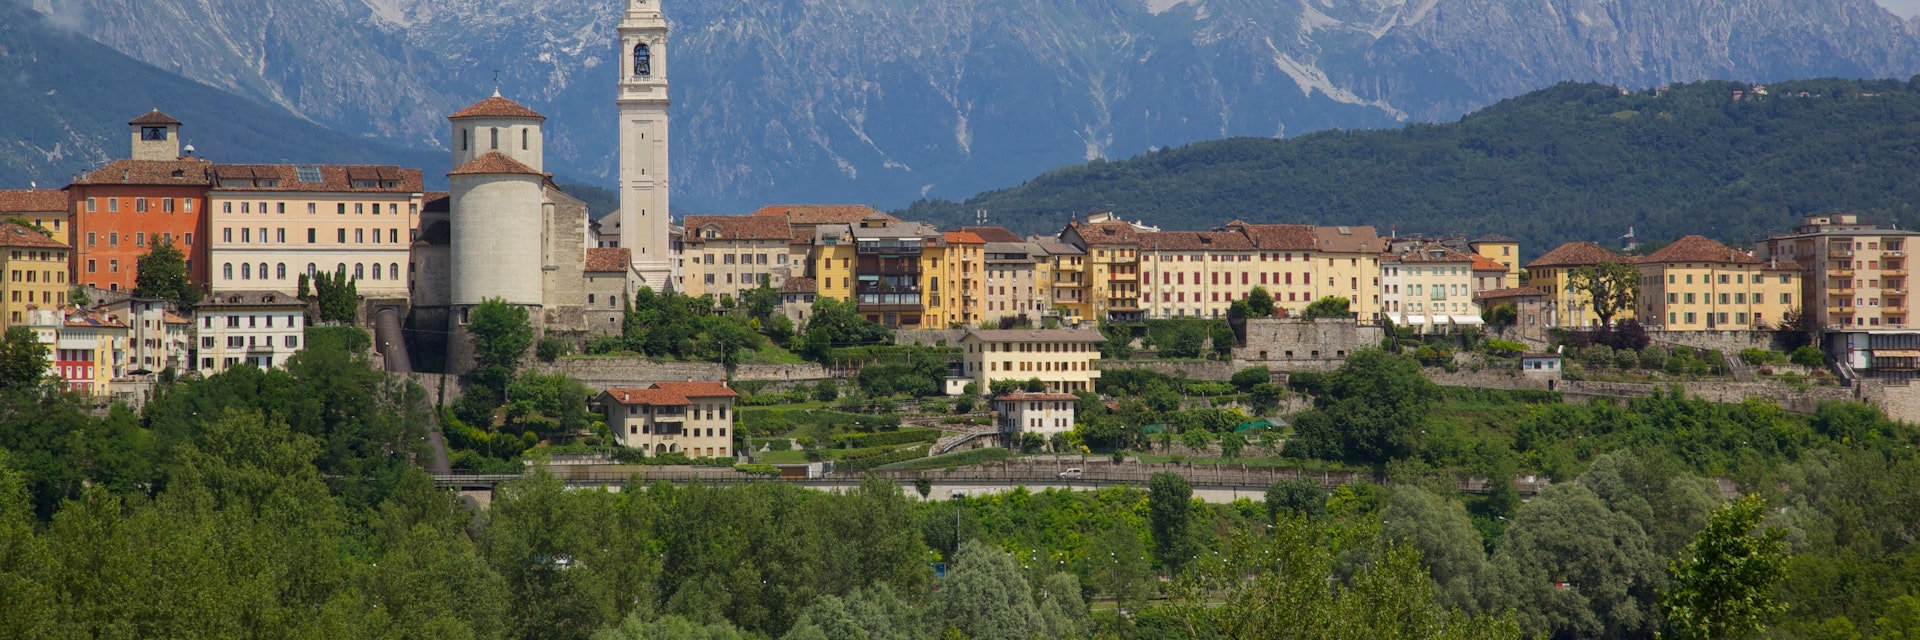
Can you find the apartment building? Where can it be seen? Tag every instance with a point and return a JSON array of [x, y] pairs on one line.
[[892, 284], [261, 328], [1698, 284], [729, 255], [1854, 274], [1044, 414], [1112, 268], [1062, 272], [1195, 273], [695, 419], [1064, 359], [47, 209], [1552, 274], [35, 270], [1500, 250], [84, 348], [1012, 281], [157, 339], [1532, 309], [1347, 261], [1285, 253], [1490, 275], [120, 211], [1430, 287], [796, 300], [609, 278], [273, 223]]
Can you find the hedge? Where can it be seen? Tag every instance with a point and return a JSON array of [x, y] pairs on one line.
[[883, 456], [903, 436], [951, 460]]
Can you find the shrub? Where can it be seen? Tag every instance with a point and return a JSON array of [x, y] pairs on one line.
[[757, 469], [1626, 359], [1505, 348], [964, 405], [551, 348], [826, 391], [1654, 357], [1246, 379], [1809, 357], [1597, 356]]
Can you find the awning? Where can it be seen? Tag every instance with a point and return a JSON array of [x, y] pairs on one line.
[[1466, 320]]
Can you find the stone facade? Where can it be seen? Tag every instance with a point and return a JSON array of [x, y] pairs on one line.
[[1281, 342], [1727, 342], [604, 373]]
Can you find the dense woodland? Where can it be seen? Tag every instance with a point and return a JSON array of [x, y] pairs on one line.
[[1570, 162], [288, 504]]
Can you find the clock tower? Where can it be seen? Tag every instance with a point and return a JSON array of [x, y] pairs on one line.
[[644, 167]]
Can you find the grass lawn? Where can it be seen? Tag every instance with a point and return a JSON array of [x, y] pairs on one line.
[[773, 354], [783, 457]]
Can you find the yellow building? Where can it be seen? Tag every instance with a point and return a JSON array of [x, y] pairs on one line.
[[1501, 249], [1347, 265], [963, 255], [1285, 265], [831, 262], [1112, 266], [1552, 274], [1066, 360], [729, 255], [1061, 273], [85, 350], [35, 267], [46, 208], [272, 223], [1698, 284], [1196, 273]]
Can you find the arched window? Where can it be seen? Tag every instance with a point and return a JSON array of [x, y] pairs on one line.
[[495, 133], [340, 269], [359, 271], [393, 271], [226, 271], [312, 270], [376, 271], [246, 271], [524, 134], [642, 60], [463, 138], [263, 271], [280, 271]]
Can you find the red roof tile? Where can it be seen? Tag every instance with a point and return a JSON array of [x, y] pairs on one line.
[[496, 107], [333, 177], [994, 234], [655, 397], [1483, 263], [1105, 233], [16, 236], [1278, 237], [192, 173], [963, 237], [737, 228], [816, 214], [698, 389], [601, 260], [1699, 249], [1195, 241], [493, 162], [1574, 254], [154, 118], [1021, 397], [1434, 253], [33, 201], [1348, 239], [800, 285]]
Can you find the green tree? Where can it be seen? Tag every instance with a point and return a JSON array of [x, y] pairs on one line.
[[1170, 513], [1372, 409], [826, 391], [1809, 357], [23, 359], [1264, 398], [1246, 379], [1500, 316], [1723, 584], [1329, 307], [1302, 498], [1440, 530], [501, 335], [1571, 567], [1610, 287], [1260, 303], [987, 598], [1231, 443], [162, 273], [668, 628]]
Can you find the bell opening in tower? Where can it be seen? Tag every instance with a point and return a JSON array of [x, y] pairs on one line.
[[642, 60]]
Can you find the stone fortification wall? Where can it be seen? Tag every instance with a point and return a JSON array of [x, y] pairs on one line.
[[930, 337], [604, 373], [1196, 369], [1487, 379], [1279, 342], [1728, 342], [1788, 397]]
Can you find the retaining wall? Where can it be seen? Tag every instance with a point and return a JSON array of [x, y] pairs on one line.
[[604, 373], [1728, 342]]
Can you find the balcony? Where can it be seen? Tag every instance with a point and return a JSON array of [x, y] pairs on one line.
[[866, 288], [1840, 272], [1846, 290], [1894, 253], [912, 248], [1124, 304]]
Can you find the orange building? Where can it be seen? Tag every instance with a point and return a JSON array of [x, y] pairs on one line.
[[122, 210]]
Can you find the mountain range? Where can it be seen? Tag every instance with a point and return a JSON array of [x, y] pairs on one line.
[[888, 101]]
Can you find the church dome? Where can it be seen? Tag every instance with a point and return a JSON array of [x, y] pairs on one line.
[[496, 107]]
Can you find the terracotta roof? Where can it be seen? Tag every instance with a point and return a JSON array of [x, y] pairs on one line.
[[1059, 248], [82, 319], [1575, 254], [332, 177], [436, 201], [251, 299], [738, 228], [994, 234], [16, 236], [1434, 253], [604, 260], [698, 389], [1022, 397], [812, 214], [964, 237], [655, 397], [1195, 241], [496, 107], [153, 117], [191, 172], [33, 201], [1037, 335], [1347, 240], [800, 235], [1517, 292], [1278, 237], [1099, 233], [493, 162], [1699, 249], [800, 285], [173, 318], [1483, 263]]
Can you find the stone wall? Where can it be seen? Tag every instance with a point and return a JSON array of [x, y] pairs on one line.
[[1487, 379], [1788, 397], [1278, 342], [605, 373], [930, 337], [1197, 369], [1727, 342]]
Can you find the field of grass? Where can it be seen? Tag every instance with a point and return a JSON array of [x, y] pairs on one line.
[[951, 460]]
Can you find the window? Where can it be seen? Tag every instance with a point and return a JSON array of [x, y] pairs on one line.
[[393, 271], [496, 137], [246, 271], [113, 205], [226, 271], [166, 205], [523, 138], [113, 266], [393, 236], [359, 271], [292, 342], [91, 266], [359, 236], [140, 205], [280, 235], [93, 205], [642, 60], [340, 235], [311, 236], [113, 239], [280, 271], [188, 240], [340, 208]]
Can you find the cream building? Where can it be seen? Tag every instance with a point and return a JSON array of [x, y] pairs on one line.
[[1854, 275], [1195, 273], [157, 339], [694, 419], [261, 328], [1552, 275], [1698, 284], [645, 161], [34, 267], [1285, 263], [729, 255], [84, 349], [1045, 414], [1347, 265], [1012, 282], [45, 208], [1429, 287], [1063, 359], [273, 223], [1112, 265]]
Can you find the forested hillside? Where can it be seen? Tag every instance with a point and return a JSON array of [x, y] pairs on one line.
[[1572, 162]]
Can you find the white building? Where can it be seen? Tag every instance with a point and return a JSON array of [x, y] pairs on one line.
[[695, 419], [1063, 359], [157, 339], [262, 328], [644, 168], [1045, 414]]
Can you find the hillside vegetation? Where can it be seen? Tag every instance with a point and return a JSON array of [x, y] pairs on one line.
[[1571, 162]]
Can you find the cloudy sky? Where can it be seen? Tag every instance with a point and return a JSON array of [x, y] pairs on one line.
[[1905, 8]]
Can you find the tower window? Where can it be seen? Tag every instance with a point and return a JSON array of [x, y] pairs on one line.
[[495, 134], [642, 60], [153, 133], [463, 139], [523, 138]]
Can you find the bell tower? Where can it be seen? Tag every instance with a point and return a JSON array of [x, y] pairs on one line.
[[644, 171]]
